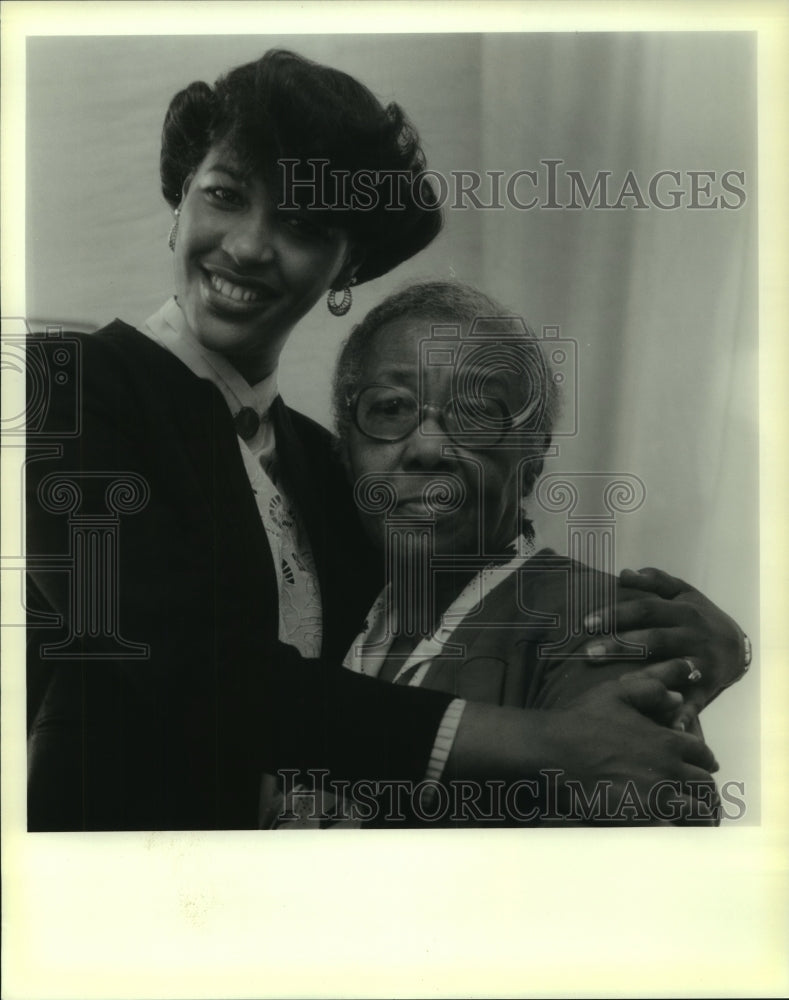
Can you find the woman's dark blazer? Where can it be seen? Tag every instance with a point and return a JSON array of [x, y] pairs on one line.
[[164, 693]]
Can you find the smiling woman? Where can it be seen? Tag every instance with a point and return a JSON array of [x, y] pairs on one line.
[[186, 688], [251, 258]]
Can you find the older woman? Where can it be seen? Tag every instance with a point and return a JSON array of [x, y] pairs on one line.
[[445, 408], [201, 641]]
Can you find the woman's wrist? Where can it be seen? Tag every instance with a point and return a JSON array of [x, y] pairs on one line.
[[494, 742]]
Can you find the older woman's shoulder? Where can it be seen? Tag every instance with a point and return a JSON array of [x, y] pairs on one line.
[[553, 579]]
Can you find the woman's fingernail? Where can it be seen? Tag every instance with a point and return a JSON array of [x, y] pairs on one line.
[[592, 622], [676, 697], [679, 725]]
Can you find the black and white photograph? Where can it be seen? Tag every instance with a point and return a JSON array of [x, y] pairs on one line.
[[385, 429]]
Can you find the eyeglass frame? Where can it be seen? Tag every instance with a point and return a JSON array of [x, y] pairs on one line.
[[460, 437]]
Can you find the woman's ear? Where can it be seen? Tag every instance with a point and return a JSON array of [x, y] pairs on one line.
[[185, 186], [353, 261]]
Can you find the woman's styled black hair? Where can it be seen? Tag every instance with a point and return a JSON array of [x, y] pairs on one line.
[[357, 161]]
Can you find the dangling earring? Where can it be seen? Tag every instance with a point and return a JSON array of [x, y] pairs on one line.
[[340, 308], [173, 230]]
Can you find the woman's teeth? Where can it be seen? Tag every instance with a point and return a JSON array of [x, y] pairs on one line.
[[231, 291]]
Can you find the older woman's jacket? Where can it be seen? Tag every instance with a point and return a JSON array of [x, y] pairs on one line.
[[524, 645], [164, 693]]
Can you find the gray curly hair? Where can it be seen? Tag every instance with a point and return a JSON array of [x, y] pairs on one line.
[[449, 301]]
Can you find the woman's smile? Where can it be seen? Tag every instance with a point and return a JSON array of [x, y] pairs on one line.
[[236, 293], [224, 291]]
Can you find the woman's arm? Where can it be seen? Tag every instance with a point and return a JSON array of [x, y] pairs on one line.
[[167, 714]]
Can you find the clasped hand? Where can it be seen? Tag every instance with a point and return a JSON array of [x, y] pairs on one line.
[[621, 763]]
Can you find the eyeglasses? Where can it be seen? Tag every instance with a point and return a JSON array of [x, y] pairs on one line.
[[390, 413]]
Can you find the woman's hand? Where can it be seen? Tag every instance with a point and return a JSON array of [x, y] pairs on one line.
[[673, 620], [613, 743], [602, 758]]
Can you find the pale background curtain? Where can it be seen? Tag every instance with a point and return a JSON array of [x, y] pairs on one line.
[[661, 304]]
